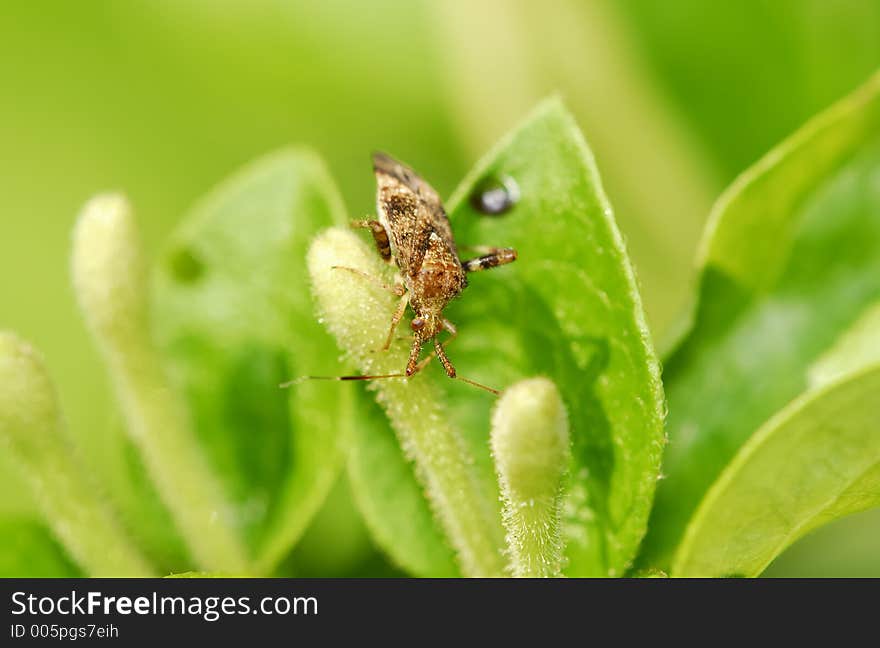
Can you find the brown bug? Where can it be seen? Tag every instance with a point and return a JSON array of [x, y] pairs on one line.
[[413, 231]]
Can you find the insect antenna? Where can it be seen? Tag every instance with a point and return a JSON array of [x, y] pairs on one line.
[[301, 379], [479, 385]]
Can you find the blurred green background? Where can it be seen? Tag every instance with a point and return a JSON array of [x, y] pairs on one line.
[[163, 99]]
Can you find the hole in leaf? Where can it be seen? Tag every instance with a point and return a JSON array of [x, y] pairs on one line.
[[185, 266], [495, 195]]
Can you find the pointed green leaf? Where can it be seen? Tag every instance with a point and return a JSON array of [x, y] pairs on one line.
[[234, 317], [790, 265], [815, 461], [568, 309]]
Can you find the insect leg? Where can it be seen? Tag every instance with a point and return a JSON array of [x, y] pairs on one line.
[[441, 353], [395, 320], [413, 365], [444, 359], [450, 370], [396, 289], [380, 236], [453, 333], [493, 257]]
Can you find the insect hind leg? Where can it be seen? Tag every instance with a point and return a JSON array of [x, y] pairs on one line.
[[380, 236], [440, 351], [444, 359], [453, 333]]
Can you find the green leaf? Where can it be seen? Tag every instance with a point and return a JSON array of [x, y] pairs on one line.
[[109, 277], [568, 309], [143, 513], [28, 550], [32, 436], [790, 263], [234, 317], [391, 500], [856, 348], [845, 548], [815, 461]]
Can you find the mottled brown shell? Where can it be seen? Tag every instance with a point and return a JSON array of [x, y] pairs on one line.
[[420, 234], [412, 211]]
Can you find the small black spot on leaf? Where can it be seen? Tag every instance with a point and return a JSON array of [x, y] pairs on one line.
[[494, 196], [185, 266]]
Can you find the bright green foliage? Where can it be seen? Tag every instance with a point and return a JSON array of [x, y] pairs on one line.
[[790, 269], [817, 460], [109, 276], [31, 432], [568, 309], [30, 551], [771, 386], [391, 500], [234, 318], [674, 97]]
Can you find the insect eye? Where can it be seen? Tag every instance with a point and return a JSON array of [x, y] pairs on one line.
[[417, 324]]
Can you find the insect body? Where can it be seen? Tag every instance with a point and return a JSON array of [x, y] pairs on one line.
[[413, 231]]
